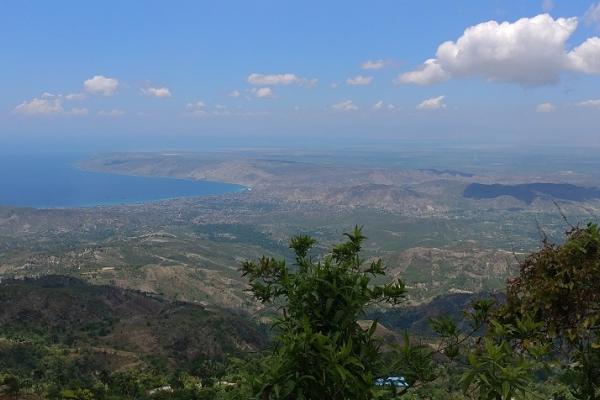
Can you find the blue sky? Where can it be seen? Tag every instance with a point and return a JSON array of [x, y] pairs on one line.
[[176, 74]]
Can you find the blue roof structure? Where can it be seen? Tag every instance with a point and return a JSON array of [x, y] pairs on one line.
[[396, 381]]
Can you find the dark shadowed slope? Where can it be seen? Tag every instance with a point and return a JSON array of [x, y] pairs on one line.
[[58, 309]]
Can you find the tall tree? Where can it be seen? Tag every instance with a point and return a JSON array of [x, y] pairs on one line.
[[320, 351]]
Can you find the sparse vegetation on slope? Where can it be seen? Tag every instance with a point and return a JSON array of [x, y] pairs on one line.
[[58, 333]]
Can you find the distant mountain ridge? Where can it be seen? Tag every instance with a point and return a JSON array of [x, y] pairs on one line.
[[528, 192], [450, 172]]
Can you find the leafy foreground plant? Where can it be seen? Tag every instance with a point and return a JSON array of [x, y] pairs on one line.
[[320, 351], [558, 289], [545, 339]]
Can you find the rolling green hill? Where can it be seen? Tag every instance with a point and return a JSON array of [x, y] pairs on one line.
[[65, 310]]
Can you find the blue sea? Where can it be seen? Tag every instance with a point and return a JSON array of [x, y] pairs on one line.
[[54, 181]]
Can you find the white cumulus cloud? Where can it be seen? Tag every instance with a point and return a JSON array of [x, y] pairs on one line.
[[263, 92], [359, 80], [102, 85], [428, 73], [44, 105], [274, 79], [380, 105], [49, 103], [586, 57], [279, 79], [373, 64], [346, 105], [160, 92], [234, 93], [545, 107], [590, 103], [75, 96], [529, 52], [433, 103]]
